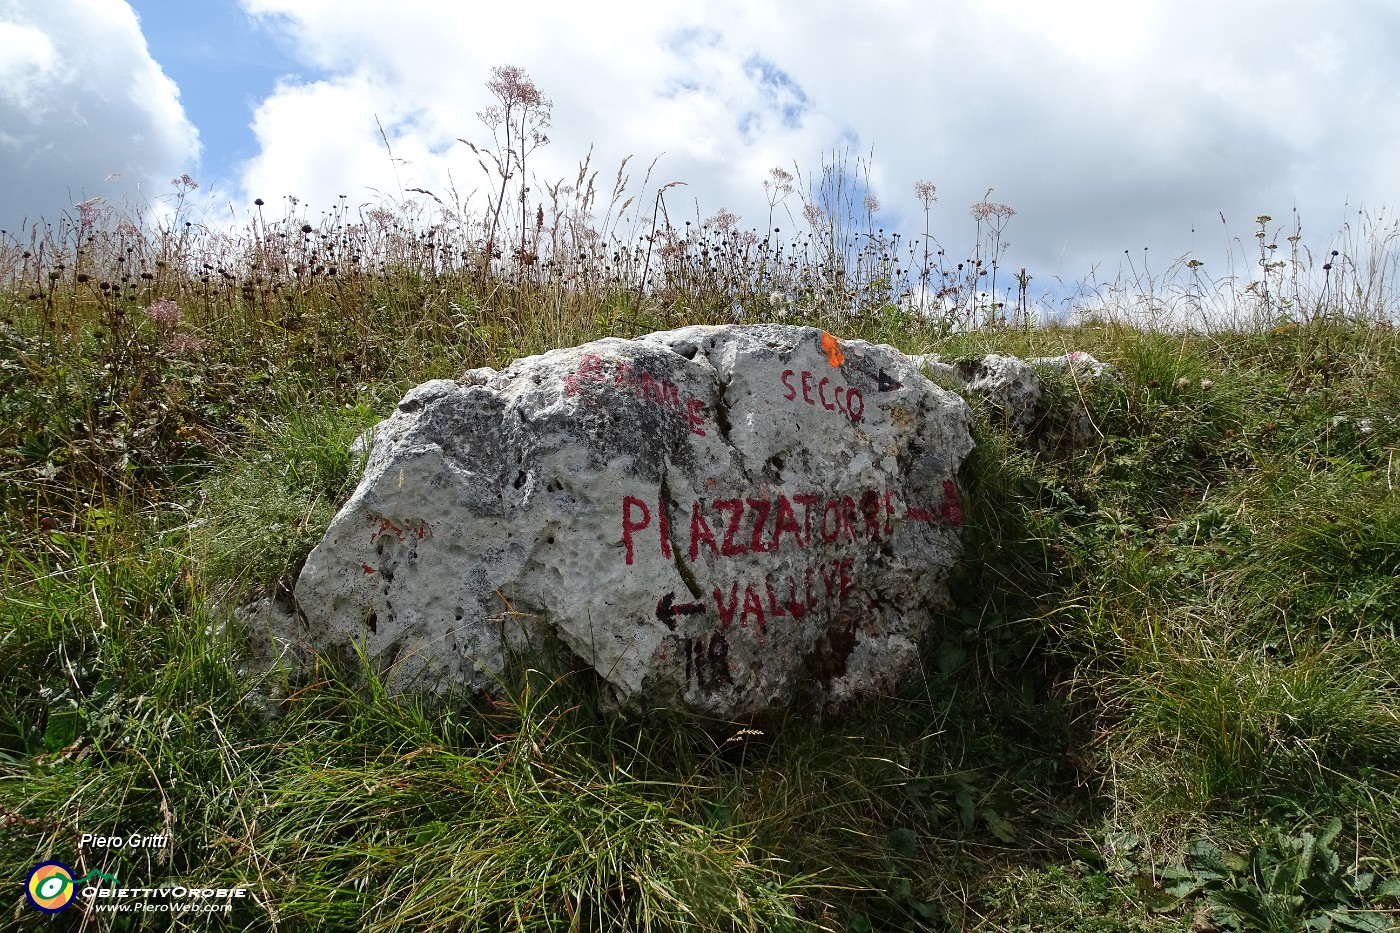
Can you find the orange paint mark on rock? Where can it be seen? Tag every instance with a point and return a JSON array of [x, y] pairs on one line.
[[832, 346]]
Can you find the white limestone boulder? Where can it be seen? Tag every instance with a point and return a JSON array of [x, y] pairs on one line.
[[1078, 427], [722, 519], [1009, 385], [1078, 363], [1014, 390]]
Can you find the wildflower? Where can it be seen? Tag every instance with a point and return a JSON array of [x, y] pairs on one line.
[[186, 345], [984, 209], [166, 314], [1206, 385], [723, 220], [514, 89]]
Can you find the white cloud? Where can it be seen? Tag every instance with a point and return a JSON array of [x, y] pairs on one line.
[[27, 59], [1108, 128], [81, 100]]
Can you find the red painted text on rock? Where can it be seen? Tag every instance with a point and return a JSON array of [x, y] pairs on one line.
[[597, 371], [816, 389], [733, 527]]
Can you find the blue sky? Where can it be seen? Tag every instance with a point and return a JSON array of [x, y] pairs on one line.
[[1108, 126], [225, 63]]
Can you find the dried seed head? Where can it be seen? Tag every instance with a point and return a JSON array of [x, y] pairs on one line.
[[724, 220], [984, 209]]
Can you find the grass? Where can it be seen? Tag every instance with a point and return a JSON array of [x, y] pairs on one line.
[[1171, 660]]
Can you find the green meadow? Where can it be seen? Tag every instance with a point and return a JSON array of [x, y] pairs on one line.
[[1165, 695]]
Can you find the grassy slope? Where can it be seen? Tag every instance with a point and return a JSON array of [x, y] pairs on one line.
[[1171, 664]]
